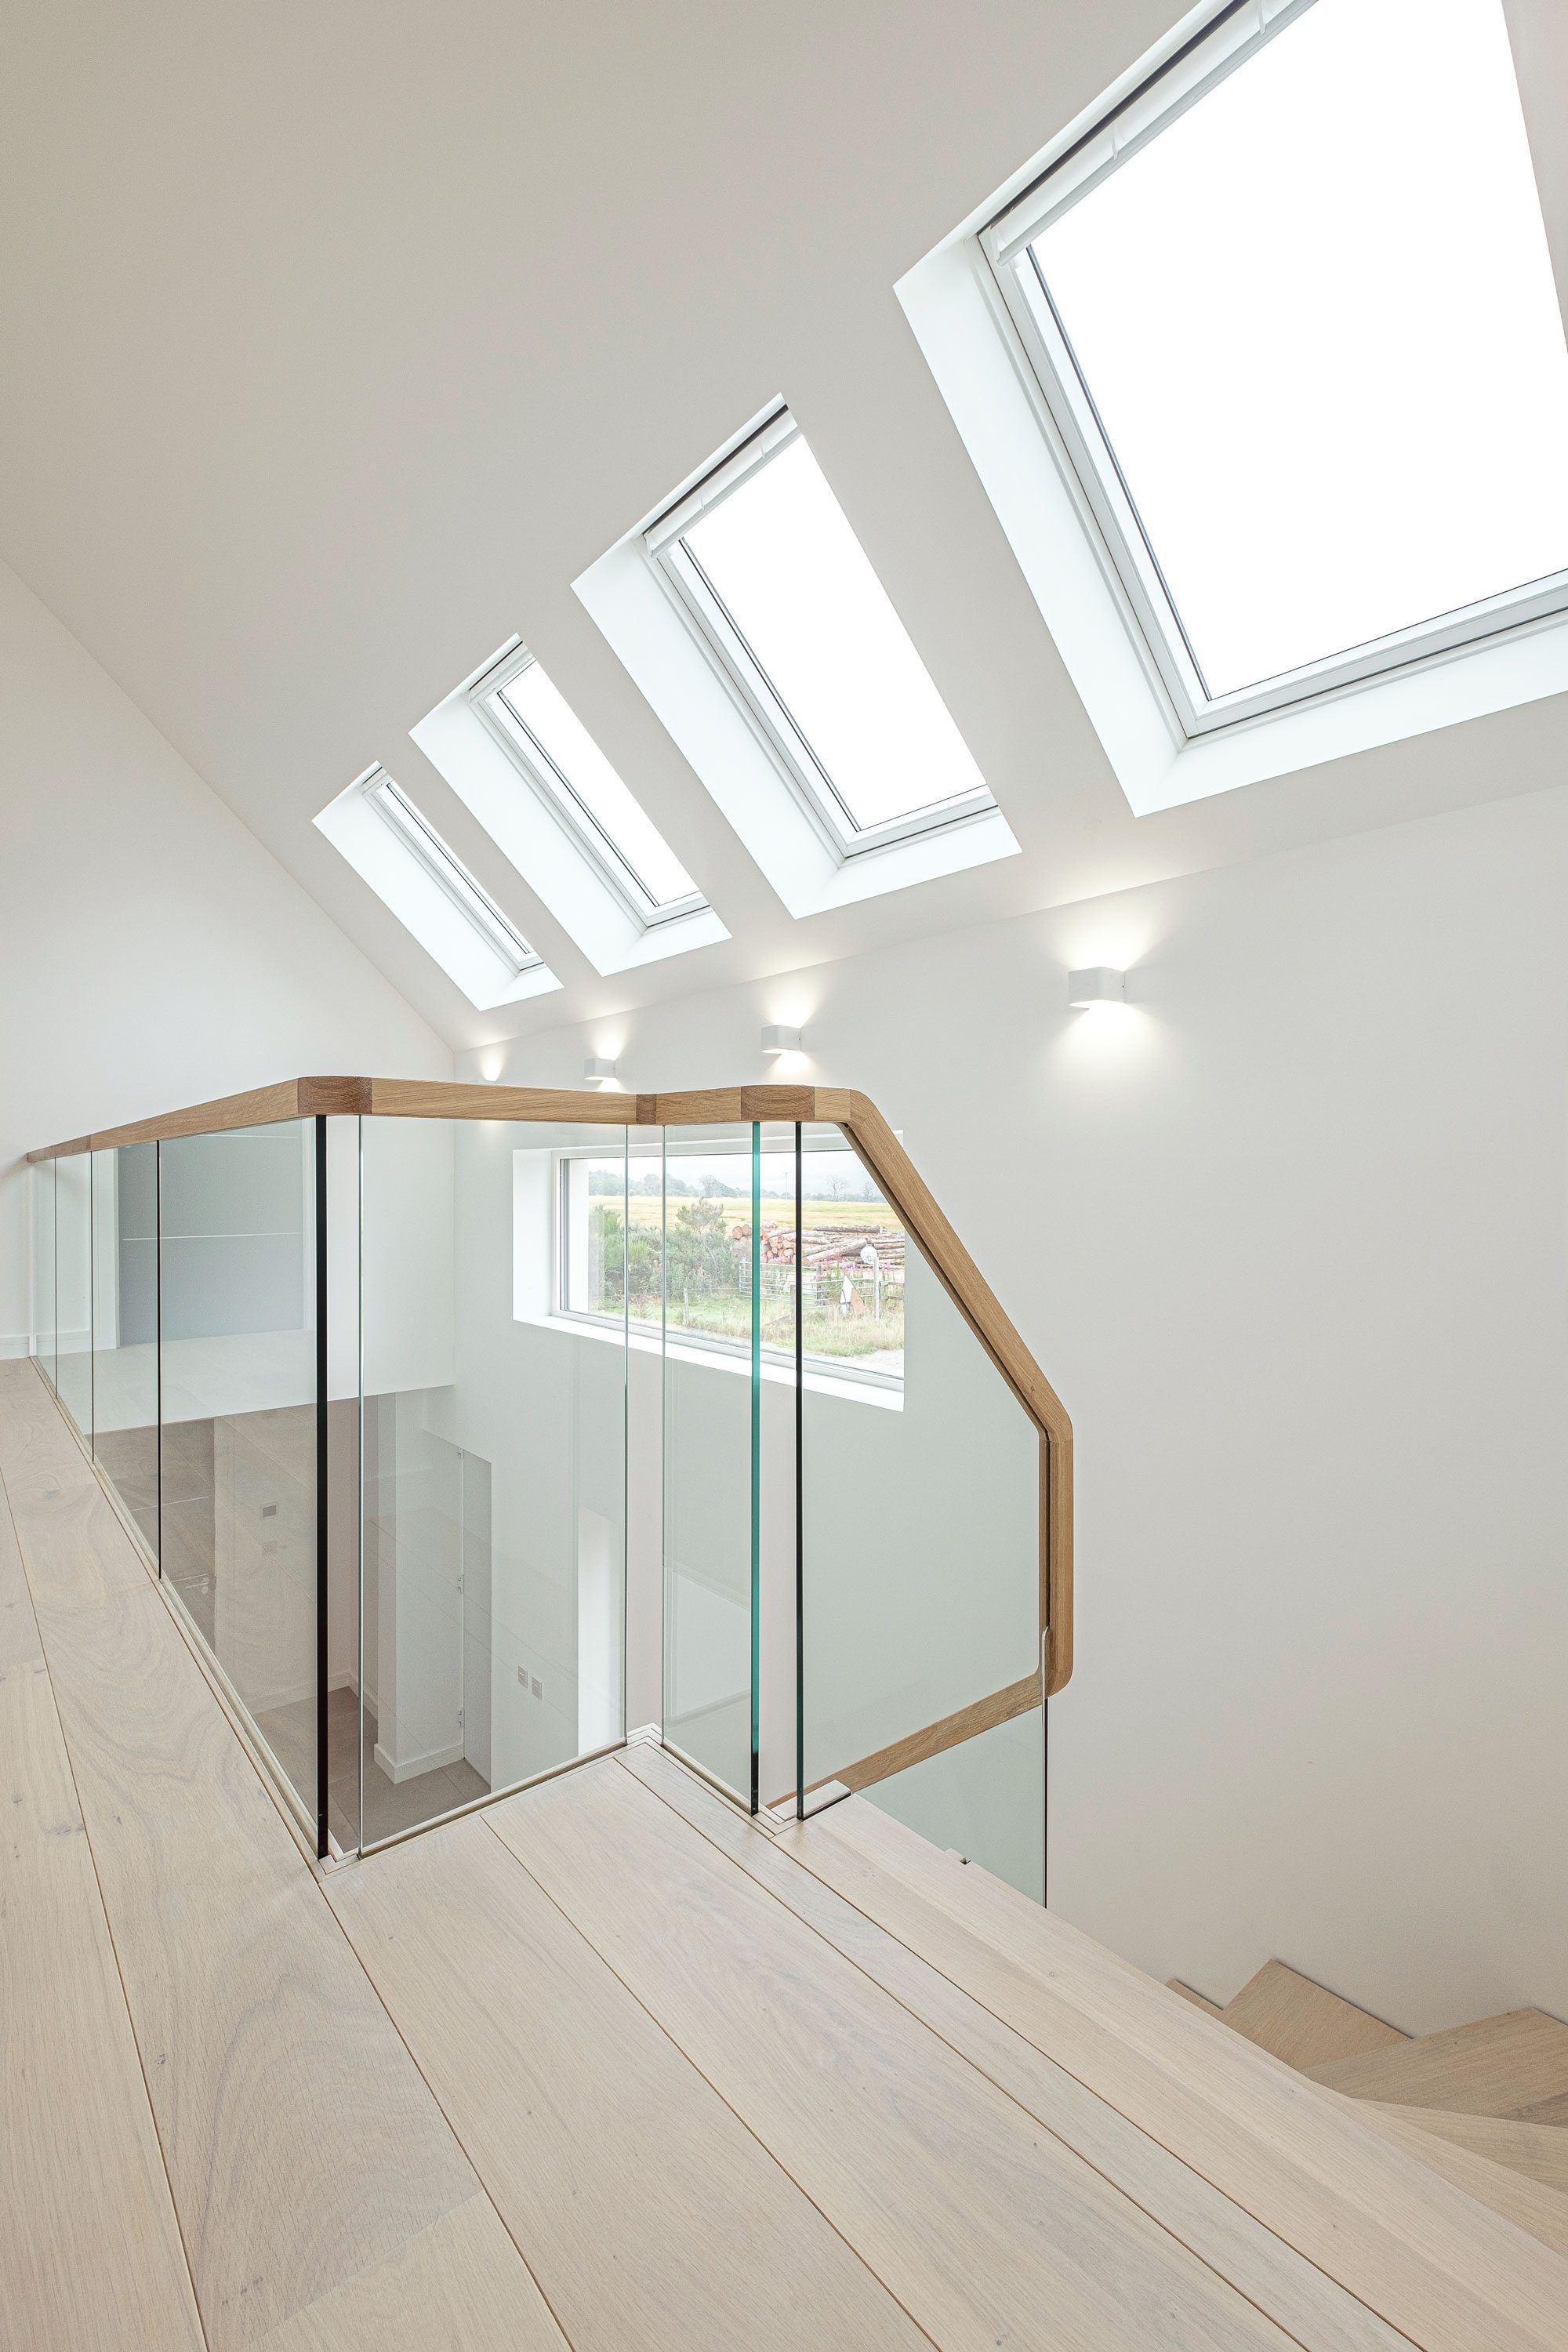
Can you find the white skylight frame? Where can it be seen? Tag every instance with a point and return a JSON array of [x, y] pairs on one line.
[[1065, 412], [613, 860], [398, 854], [746, 679]]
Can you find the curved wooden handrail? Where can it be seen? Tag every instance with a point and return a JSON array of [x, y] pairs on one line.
[[885, 1157]]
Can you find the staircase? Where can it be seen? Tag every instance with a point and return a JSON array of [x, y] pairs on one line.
[[1485, 2104]]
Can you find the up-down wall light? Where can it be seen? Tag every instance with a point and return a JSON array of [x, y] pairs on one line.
[[1097, 985]]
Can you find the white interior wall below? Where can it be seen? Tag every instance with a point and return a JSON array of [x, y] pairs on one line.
[[1288, 1234]]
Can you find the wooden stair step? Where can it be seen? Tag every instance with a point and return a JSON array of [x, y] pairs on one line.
[[1536, 2150], [1303, 2022], [1198, 2000], [1514, 2066], [1543, 2212]]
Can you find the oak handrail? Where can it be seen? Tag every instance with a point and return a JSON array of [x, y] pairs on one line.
[[884, 1155]]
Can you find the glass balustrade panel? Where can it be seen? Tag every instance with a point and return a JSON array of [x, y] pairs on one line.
[[493, 1473], [44, 1346], [125, 1330], [73, 1287], [705, 1250], [242, 1421], [920, 1536]]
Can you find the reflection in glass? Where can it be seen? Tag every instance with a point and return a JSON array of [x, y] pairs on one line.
[[238, 1456], [493, 1468], [125, 1329]]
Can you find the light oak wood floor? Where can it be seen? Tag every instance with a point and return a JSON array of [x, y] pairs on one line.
[[607, 2066]]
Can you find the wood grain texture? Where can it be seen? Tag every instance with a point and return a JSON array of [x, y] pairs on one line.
[[1539, 2151], [1311, 2308], [1540, 2211], [1198, 2000], [935, 1738], [90, 2259], [261, 1107], [300, 2143], [726, 1106], [551, 1106], [1437, 2266], [1301, 2023], [987, 2229], [459, 2286], [1495, 2066], [589, 2128]]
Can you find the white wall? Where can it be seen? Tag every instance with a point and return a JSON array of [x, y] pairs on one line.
[[152, 953], [1289, 1236]]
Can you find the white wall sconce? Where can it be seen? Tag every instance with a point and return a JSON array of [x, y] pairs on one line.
[[598, 1072], [781, 1041], [1097, 985]]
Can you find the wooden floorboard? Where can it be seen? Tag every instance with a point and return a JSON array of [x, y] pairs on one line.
[[1438, 2267], [591, 2130], [605, 2068], [91, 2256], [1495, 2066], [1301, 2023], [987, 2229], [458, 2286], [303, 2148], [1310, 2307]]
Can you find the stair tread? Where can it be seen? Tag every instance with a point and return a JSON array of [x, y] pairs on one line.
[[1198, 2000], [1303, 2022], [1537, 2150], [1543, 2212], [1515, 2066]]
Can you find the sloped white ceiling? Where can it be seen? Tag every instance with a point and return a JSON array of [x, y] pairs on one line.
[[341, 337]]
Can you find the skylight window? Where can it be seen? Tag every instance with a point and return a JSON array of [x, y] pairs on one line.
[[1293, 323], [763, 561], [558, 757], [396, 850]]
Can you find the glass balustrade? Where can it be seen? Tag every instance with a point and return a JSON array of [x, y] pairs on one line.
[[452, 1438], [493, 1467], [125, 1330], [241, 1421], [43, 1350], [73, 1288], [920, 1537]]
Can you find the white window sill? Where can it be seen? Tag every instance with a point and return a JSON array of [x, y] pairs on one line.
[[716, 1359]]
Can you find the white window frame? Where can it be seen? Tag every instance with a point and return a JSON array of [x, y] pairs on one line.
[[747, 681], [734, 1352], [1065, 411], [469, 897], [557, 794]]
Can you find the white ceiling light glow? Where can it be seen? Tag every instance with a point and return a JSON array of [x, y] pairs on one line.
[[1294, 320]]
